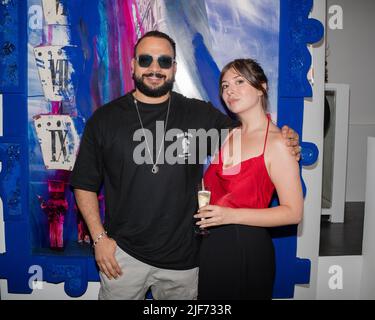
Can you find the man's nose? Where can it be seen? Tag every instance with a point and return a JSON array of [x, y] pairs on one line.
[[155, 65]]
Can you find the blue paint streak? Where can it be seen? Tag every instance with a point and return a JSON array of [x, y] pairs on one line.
[[102, 49], [209, 73], [87, 30]]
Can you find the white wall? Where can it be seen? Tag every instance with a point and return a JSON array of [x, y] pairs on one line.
[[339, 278], [356, 170], [368, 250], [309, 230], [350, 60]]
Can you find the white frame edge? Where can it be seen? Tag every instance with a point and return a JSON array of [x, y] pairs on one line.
[[337, 210]]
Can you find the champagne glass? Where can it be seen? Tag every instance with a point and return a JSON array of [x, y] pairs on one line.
[[204, 196]]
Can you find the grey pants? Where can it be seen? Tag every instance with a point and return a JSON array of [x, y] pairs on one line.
[[138, 277]]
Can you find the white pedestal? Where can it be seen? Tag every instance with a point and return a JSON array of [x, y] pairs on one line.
[[368, 246], [339, 155]]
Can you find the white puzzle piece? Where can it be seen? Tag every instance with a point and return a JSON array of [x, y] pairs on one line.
[[55, 72], [54, 12], [58, 139]]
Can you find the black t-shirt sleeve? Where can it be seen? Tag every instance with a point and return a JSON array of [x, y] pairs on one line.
[[219, 120], [215, 119], [88, 169]]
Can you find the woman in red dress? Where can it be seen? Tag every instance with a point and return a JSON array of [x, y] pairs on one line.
[[237, 257]]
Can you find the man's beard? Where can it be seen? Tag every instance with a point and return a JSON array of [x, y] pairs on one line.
[[153, 92]]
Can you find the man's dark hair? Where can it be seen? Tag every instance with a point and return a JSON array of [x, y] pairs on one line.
[[156, 34]]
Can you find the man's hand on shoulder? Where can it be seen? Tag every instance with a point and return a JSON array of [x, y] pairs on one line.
[[292, 141]]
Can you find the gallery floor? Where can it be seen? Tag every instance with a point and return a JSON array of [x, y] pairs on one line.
[[342, 239]]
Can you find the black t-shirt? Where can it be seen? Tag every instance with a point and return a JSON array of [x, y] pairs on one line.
[[149, 215]]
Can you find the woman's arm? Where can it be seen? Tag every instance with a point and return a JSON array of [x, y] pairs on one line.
[[284, 173]]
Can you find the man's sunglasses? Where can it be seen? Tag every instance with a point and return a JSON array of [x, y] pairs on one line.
[[145, 60]]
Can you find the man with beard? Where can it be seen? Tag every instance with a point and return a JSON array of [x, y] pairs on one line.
[[148, 239]]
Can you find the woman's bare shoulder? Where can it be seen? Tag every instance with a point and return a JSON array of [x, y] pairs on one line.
[[275, 141], [274, 133]]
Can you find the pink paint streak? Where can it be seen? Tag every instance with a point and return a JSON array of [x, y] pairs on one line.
[[127, 40], [50, 34], [113, 50], [94, 86], [55, 107], [138, 18]]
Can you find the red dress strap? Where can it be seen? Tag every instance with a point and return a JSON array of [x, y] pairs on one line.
[[265, 139]]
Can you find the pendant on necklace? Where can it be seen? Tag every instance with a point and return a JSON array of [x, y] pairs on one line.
[[155, 169]]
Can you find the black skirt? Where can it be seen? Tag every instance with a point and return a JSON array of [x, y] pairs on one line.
[[236, 262]]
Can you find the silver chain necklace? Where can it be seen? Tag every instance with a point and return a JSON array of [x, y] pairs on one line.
[[155, 167]]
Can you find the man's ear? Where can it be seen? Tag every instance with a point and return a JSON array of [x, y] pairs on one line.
[[132, 65], [175, 67]]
